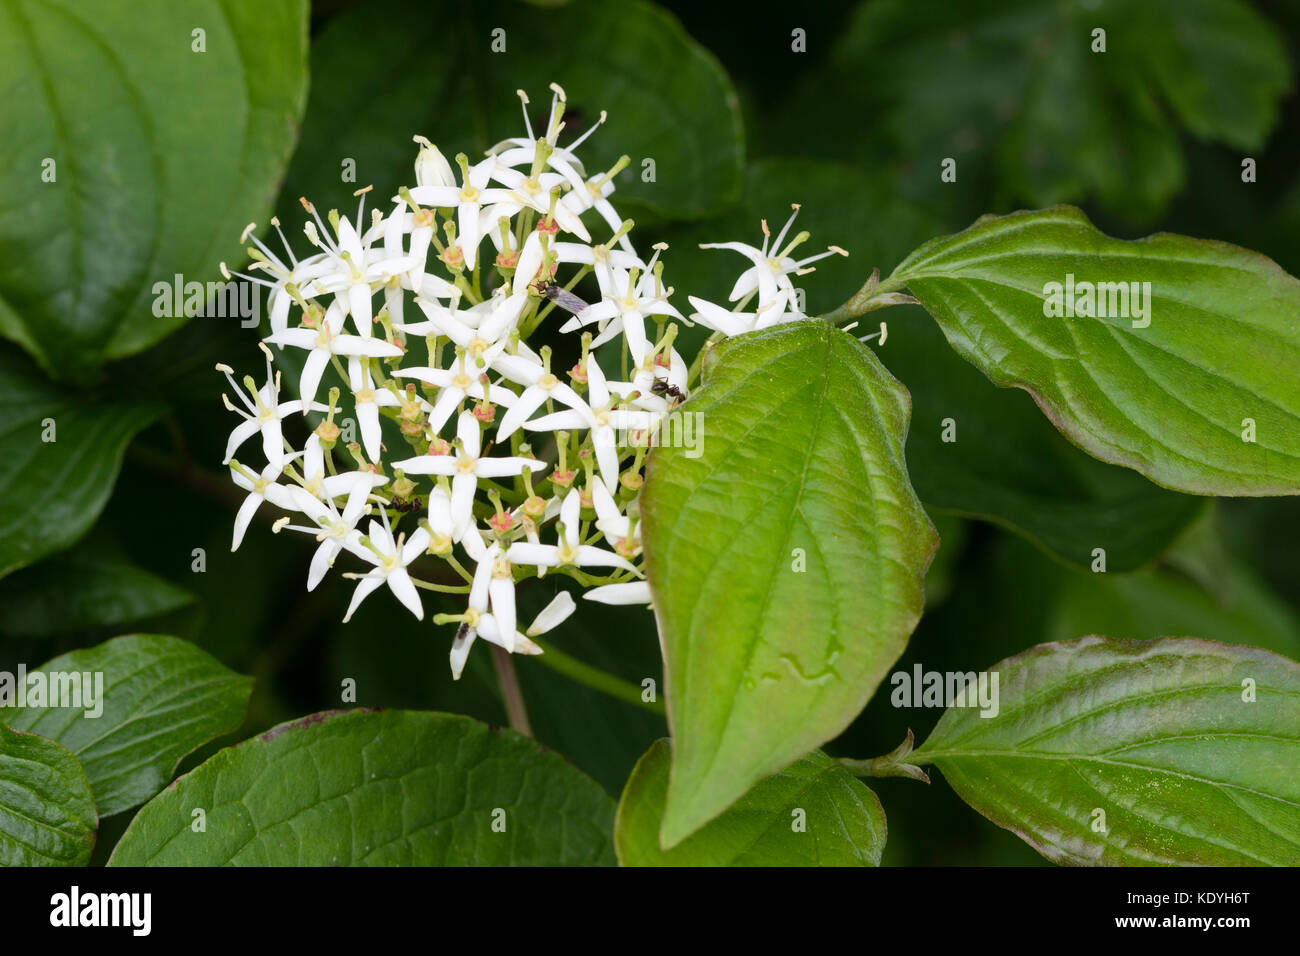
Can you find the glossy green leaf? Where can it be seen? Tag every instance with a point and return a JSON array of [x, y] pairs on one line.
[[786, 556], [1005, 464], [1199, 393], [63, 452], [161, 154], [988, 453], [83, 589], [47, 814], [353, 788], [685, 119], [1174, 751], [812, 813], [161, 699]]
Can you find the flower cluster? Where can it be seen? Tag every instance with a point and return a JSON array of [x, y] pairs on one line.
[[511, 466]]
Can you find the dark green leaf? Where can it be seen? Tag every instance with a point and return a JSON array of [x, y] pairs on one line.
[[404, 77], [1175, 751], [84, 589], [47, 815], [1197, 392], [161, 154], [63, 455], [160, 698], [984, 452], [380, 788]]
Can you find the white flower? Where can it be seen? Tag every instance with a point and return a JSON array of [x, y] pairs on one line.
[[492, 583], [287, 277], [324, 342], [604, 420], [368, 399], [628, 300], [390, 559], [483, 330], [594, 194], [536, 193], [631, 592], [522, 151], [542, 385], [358, 267], [612, 523], [772, 266], [265, 412], [465, 468], [431, 167], [468, 200], [260, 488], [651, 375], [715, 317], [333, 528], [456, 384], [567, 550]]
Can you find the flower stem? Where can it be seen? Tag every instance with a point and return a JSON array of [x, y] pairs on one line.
[[513, 696], [595, 678]]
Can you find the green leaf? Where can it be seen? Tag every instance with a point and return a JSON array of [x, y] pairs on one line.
[[802, 449], [1007, 465], [161, 154], [1014, 93], [813, 813], [988, 453], [51, 491], [88, 588], [1159, 601], [1189, 747], [382, 788], [47, 815], [161, 699], [415, 67], [1171, 399]]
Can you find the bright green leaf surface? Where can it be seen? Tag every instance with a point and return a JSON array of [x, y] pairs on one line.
[[1171, 399], [803, 449], [47, 815], [162, 698], [380, 789], [52, 491], [162, 154], [813, 813], [1160, 735]]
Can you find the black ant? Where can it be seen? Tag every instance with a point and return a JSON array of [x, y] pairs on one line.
[[662, 386]]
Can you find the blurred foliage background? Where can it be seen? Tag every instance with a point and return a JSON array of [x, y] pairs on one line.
[[1148, 136]]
